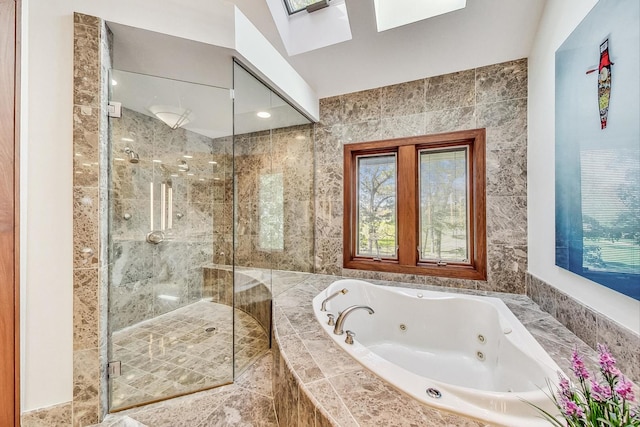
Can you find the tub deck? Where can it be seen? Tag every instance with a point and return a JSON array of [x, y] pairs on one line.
[[316, 383]]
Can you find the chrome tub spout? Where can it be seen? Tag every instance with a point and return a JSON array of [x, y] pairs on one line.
[[343, 316]]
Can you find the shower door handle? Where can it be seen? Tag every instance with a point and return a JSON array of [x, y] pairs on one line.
[[155, 236]]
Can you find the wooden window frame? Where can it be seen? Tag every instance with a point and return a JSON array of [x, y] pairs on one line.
[[407, 150]]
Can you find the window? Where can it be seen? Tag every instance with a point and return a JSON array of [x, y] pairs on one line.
[[271, 211], [295, 6], [417, 205]]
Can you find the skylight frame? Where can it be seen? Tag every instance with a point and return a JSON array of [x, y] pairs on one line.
[[292, 11], [391, 14]]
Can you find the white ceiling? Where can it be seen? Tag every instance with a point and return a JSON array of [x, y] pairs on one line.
[[202, 87], [485, 32]]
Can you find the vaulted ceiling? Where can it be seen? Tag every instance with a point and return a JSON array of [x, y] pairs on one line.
[[485, 32]]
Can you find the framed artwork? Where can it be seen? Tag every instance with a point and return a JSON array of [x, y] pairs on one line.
[[597, 151]]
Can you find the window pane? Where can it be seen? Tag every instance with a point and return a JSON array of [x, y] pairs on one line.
[[443, 206], [271, 206], [294, 6], [377, 206]]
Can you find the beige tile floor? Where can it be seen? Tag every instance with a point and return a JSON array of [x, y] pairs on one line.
[[183, 351], [247, 402]]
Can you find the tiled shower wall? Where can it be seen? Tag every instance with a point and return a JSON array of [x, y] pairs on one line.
[[146, 279], [287, 152], [492, 97]]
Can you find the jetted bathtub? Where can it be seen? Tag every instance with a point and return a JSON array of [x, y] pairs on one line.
[[461, 353]]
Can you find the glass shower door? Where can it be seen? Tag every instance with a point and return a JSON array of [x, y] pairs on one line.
[[170, 198], [273, 172]]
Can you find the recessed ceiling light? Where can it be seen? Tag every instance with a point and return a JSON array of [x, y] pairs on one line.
[[157, 161], [263, 114], [118, 159], [190, 174], [186, 156], [213, 162], [126, 139], [114, 82]]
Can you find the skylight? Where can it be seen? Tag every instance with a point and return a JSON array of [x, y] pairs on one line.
[[395, 13], [304, 32], [295, 6]]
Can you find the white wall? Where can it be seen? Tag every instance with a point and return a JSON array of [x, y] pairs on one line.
[[47, 251], [559, 19], [47, 282]]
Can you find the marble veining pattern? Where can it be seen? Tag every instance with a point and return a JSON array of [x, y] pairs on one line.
[[174, 354], [491, 97], [249, 401], [91, 61], [347, 395], [337, 396], [288, 154], [52, 416], [590, 326]]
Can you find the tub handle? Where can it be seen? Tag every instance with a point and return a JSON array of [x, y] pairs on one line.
[[350, 335], [331, 321]]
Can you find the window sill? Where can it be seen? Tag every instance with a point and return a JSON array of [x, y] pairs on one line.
[[390, 266]]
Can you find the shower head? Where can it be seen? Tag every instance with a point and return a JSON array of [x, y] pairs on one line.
[[183, 166], [133, 156]]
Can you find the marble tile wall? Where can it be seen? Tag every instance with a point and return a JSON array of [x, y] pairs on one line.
[[589, 325], [144, 275], [492, 97], [92, 59], [52, 416], [289, 152], [252, 291]]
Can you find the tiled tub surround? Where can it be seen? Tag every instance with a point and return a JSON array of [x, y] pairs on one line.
[[178, 353], [317, 384], [589, 325], [416, 339], [492, 97]]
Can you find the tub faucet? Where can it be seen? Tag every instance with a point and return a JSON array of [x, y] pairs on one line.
[[333, 295], [343, 316]]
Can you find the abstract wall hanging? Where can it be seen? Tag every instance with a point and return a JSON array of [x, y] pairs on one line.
[[598, 147]]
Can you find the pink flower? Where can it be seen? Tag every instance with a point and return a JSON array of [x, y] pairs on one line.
[[607, 362], [565, 388], [572, 409], [623, 388], [600, 393], [577, 366]]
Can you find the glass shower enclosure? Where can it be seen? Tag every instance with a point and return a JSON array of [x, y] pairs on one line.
[[170, 191], [210, 192]]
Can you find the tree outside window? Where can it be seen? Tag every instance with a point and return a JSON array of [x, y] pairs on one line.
[[417, 205]]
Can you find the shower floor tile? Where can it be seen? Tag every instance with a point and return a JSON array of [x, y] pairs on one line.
[[247, 402], [178, 352]]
